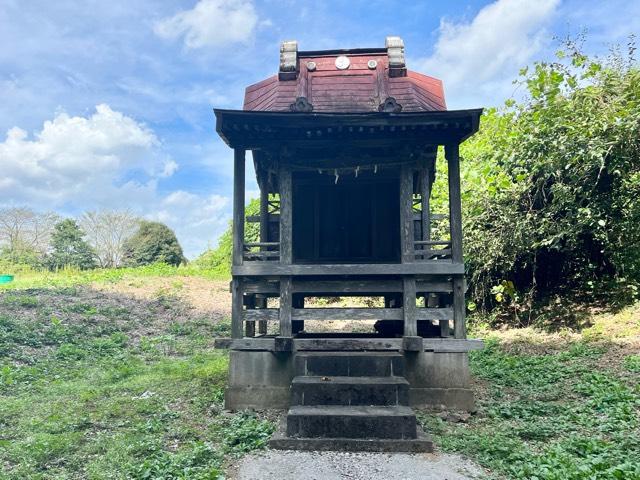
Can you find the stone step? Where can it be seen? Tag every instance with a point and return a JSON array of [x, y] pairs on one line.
[[349, 364], [422, 443], [390, 422], [324, 390]]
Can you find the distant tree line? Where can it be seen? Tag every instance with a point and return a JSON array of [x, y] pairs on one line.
[[97, 239]]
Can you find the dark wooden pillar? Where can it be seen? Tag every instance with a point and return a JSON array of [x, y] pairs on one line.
[[286, 294], [409, 306], [407, 245], [452, 153], [261, 301], [425, 195], [238, 241], [238, 205], [250, 325]]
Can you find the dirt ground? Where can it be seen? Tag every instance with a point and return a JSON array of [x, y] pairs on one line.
[[289, 465], [205, 297]]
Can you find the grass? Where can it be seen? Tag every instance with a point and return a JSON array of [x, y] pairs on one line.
[[27, 277], [92, 386], [97, 385], [553, 407]]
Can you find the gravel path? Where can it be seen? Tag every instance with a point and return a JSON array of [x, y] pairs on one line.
[[290, 465]]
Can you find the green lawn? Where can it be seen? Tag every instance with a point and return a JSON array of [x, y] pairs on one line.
[[554, 408], [98, 384]]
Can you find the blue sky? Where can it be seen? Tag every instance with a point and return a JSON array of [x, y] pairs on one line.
[[108, 104]]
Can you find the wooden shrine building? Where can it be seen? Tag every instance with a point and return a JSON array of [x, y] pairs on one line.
[[344, 146]]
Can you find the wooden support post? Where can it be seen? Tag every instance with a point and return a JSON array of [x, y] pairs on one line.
[[286, 300], [452, 152], [250, 325], [286, 194], [298, 302], [261, 303], [425, 193], [409, 307], [238, 241], [459, 327], [238, 205], [455, 207], [406, 214], [283, 342], [236, 308]]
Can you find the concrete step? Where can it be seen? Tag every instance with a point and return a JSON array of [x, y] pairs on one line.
[[349, 364], [390, 422], [319, 390], [422, 443]]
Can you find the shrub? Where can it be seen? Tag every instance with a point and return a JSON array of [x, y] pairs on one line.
[[153, 242]]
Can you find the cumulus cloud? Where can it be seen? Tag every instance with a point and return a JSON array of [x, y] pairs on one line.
[[104, 160], [211, 23], [483, 56]]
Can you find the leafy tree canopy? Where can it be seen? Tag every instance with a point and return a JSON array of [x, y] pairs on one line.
[[68, 247], [153, 242]]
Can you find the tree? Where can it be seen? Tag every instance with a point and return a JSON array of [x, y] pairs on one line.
[[25, 234], [153, 242], [107, 231], [68, 247]]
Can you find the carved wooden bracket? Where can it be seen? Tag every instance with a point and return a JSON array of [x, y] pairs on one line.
[[390, 105], [301, 105]]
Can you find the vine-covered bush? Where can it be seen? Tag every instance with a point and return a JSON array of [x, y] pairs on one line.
[[551, 186]]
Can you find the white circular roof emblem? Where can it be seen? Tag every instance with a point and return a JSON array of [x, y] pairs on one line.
[[342, 62], [372, 64]]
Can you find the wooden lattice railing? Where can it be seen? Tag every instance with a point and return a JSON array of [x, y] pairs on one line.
[[266, 251]]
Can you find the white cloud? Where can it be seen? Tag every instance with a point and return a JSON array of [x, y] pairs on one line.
[[211, 23], [480, 58], [104, 160]]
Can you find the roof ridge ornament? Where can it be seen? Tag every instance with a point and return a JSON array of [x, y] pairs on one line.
[[395, 53], [288, 60]]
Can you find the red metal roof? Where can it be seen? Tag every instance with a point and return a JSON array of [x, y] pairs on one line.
[[362, 87]]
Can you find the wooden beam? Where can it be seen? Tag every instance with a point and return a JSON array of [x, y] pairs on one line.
[[347, 314], [346, 287], [434, 313], [238, 205], [426, 267], [262, 315], [437, 345]]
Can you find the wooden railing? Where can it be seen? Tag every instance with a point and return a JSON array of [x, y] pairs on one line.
[[424, 251], [268, 251]]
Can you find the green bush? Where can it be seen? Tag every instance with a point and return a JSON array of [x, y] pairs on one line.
[[153, 242], [550, 187]]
